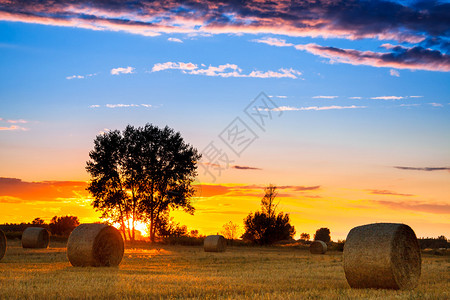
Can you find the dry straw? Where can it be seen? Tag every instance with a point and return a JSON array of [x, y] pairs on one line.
[[96, 245], [318, 247], [215, 243], [382, 255], [2, 244], [35, 237]]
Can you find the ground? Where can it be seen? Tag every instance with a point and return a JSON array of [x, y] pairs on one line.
[[182, 272]]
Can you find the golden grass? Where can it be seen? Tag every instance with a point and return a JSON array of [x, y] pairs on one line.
[[180, 272]]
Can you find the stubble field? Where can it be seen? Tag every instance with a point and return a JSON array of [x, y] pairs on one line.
[[184, 272]]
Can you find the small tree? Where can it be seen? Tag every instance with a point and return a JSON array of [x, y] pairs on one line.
[[305, 236], [322, 234], [38, 221], [266, 226], [63, 226], [230, 231]]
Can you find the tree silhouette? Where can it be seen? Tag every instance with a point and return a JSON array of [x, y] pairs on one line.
[[38, 221], [266, 226], [230, 231], [140, 174], [322, 234], [305, 236], [63, 226]]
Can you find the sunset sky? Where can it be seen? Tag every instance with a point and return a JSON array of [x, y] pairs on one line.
[[354, 96]]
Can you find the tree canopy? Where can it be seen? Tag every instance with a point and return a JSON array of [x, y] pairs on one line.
[[322, 234], [140, 174], [266, 226]]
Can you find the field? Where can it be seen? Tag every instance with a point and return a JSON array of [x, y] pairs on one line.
[[181, 272]]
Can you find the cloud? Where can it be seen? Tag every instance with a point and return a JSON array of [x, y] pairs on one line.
[[394, 73], [415, 96], [291, 108], [389, 193], [405, 21], [325, 97], [388, 98], [354, 97], [175, 40], [13, 127], [75, 77], [173, 65], [281, 97], [427, 169], [434, 104], [117, 71], [18, 190], [273, 42], [414, 58], [80, 76], [225, 70], [415, 206], [121, 105], [244, 168]]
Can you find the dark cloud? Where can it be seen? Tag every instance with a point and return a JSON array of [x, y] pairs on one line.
[[244, 168], [389, 193], [428, 169], [342, 18]]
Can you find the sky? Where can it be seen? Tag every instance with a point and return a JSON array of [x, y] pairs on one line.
[[344, 105]]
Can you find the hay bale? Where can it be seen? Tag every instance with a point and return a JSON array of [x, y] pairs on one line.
[[215, 243], [318, 247], [382, 255], [2, 244], [96, 245], [35, 237]]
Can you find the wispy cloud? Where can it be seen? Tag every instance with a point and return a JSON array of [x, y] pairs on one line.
[[80, 76], [291, 108], [325, 97], [118, 71], [427, 169], [388, 193], [273, 42], [225, 70], [415, 96], [275, 96], [13, 127], [121, 105], [388, 98], [244, 168], [354, 97], [415, 206], [394, 73], [434, 104], [174, 40]]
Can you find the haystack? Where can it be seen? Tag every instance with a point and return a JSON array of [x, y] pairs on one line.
[[215, 243], [35, 237], [382, 255], [96, 245], [318, 247], [2, 244]]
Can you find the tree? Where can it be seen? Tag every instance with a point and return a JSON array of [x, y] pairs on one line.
[[38, 221], [322, 234], [266, 226], [166, 227], [230, 230], [305, 236], [63, 226], [140, 174]]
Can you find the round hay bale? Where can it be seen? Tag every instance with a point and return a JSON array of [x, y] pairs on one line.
[[318, 247], [2, 244], [35, 237], [382, 255], [215, 243], [95, 245]]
